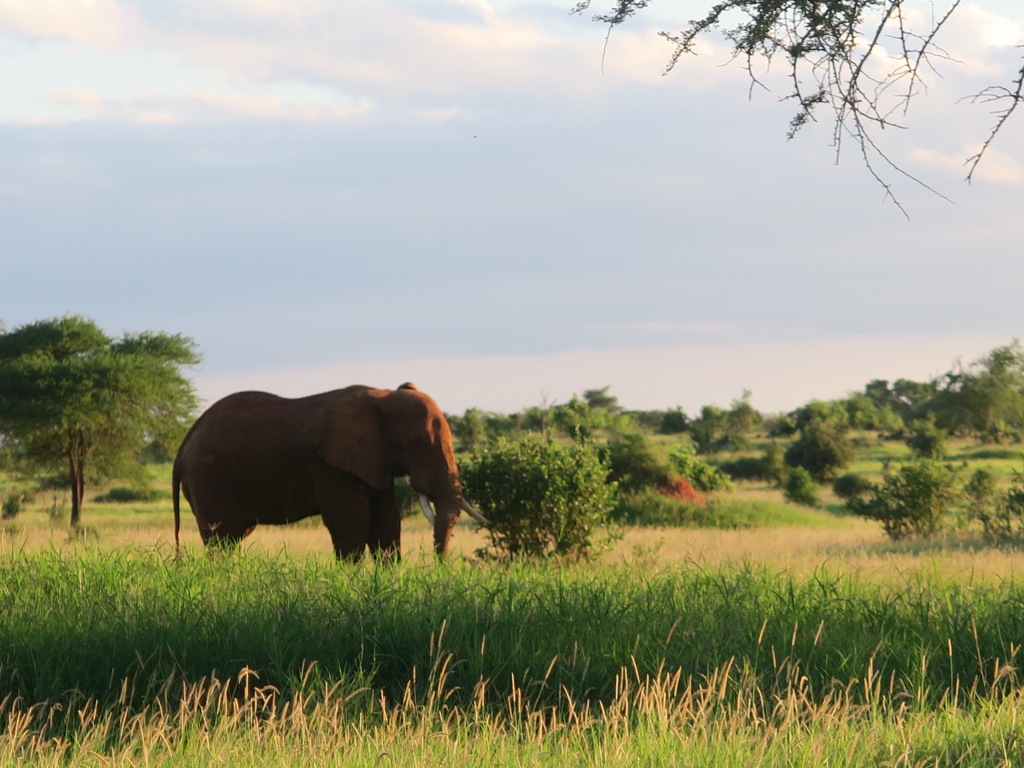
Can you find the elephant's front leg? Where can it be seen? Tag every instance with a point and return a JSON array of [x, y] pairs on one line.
[[344, 503], [385, 538]]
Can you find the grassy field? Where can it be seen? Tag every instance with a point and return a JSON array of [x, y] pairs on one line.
[[809, 639]]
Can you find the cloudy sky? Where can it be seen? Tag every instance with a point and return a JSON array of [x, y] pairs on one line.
[[483, 198]]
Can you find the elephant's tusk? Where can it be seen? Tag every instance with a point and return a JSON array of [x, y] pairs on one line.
[[427, 511], [468, 508]]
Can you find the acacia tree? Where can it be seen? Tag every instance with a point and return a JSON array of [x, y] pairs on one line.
[[72, 397], [862, 59], [986, 398]]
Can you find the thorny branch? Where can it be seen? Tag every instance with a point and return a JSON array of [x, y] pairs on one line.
[[835, 54], [1001, 94]]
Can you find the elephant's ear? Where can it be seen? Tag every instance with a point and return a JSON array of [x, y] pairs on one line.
[[353, 441]]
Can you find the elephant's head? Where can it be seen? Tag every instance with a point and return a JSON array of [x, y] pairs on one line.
[[378, 434]]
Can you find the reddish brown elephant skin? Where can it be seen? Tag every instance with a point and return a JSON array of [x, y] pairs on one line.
[[255, 458]]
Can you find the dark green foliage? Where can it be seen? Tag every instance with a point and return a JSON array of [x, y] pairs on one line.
[[822, 412], [822, 448], [707, 429], [740, 420], [702, 476], [12, 504], [130, 495], [984, 503], [636, 462], [1001, 514], [987, 398], [851, 486], [744, 468], [725, 430], [75, 400], [865, 413], [651, 507], [800, 488], [475, 428], [541, 498], [673, 422], [926, 440], [780, 425], [468, 430], [915, 500], [600, 399], [767, 467]]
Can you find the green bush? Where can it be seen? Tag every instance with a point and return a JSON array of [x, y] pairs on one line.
[[702, 475], [638, 462], [1001, 515], [799, 487], [768, 466], [12, 504], [541, 498], [851, 486], [915, 500], [822, 448], [650, 507], [673, 422], [129, 495], [926, 440]]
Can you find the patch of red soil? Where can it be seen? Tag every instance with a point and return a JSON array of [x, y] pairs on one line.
[[684, 491]]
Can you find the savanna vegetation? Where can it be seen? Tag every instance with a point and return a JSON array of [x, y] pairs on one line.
[[836, 585]]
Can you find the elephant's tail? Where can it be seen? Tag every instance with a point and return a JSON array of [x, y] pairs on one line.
[[176, 496]]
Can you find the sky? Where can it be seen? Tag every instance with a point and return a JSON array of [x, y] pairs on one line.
[[494, 201]]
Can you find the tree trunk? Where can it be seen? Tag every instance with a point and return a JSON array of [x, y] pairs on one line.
[[76, 464]]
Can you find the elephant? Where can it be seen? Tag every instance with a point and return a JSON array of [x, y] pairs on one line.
[[256, 458]]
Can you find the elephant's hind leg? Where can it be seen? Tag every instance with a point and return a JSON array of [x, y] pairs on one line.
[[222, 519], [221, 536]]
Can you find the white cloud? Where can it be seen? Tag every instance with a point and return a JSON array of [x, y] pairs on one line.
[[993, 29], [204, 107], [996, 167], [100, 23]]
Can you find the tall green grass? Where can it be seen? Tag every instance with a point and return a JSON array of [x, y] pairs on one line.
[[102, 623], [131, 658]]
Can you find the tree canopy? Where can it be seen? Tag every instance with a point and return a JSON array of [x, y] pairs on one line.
[[73, 399], [862, 59]]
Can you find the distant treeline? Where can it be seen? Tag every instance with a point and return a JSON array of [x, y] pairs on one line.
[[983, 400]]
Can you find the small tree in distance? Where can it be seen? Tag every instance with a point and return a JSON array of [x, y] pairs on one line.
[[912, 501], [823, 446], [74, 400]]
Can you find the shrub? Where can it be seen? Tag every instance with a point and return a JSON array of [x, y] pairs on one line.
[[12, 504], [673, 422], [637, 462], [1001, 514], [768, 466], [780, 425], [650, 507], [799, 487], [702, 476], [914, 500], [541, 498], [926, 440], [851, 486], [128, 495], [822, 448]]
